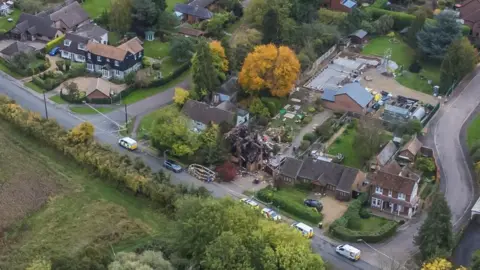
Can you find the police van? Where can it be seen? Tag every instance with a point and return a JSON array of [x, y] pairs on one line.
[[306, 230], [348, 252]]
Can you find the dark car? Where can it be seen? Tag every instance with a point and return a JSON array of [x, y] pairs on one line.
[[313, 203], [172, 166]]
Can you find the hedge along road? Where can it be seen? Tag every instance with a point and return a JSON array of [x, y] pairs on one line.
[[104, 133]]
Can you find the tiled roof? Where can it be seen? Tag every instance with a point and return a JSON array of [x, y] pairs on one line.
[[17, 47], [386, 154], [201, 3], [393, 182], [197, 11], [71, 15], [75, 40], [118, 53], [204, 113], [34, 25], [392, 167], [359, 33], [133, 45], [91, 31], [290, 167], [355, 91], [413, 146], [391, 199]]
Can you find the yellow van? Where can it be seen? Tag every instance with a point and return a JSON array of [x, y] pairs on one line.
[[306, 230], [128, 143]]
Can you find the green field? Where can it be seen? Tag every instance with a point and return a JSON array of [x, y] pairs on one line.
[[88, 110], [473, 131], [94, 8], [140, 94], [79, 210], [5, 25], [156, 49]]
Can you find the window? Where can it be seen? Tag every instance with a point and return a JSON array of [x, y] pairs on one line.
[[378, 190], [135, 56], [108, 60], [99, 58], [81, 58], [139, 54], [90, 67], [117, 64], [117, 72], [389, 193], [376, 202], [89, 56], [67, 42], [82, 46], [401, 196]]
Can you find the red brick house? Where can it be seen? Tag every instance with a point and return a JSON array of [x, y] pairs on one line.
[[341, 5], [353, 97], [394, 192]]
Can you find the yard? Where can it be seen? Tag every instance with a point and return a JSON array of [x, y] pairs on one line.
[[403, 55], [114, 38], [168, 66], [146, 124], [94, 8], [34, 87], [5, 25], [156, 49], [57, 99], [371, 224], [73, 208], [473, 132]]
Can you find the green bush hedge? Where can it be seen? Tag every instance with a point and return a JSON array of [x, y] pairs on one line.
[[291, 206], [379, 3], [340, 227]]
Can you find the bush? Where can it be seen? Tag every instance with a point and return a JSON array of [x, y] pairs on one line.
[[156, 66], [54, 43], [311, 109], [227, 171], [415, 67], [289, 205], [379, 3], [311, 137], [61, 65], [365, 213], [146, 62], [304, 145], [354, 223], [307, 119]]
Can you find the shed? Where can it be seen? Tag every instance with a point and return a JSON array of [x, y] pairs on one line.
[[359, 36], [395, 113]]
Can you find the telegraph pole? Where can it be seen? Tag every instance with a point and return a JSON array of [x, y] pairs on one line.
[[45, 103], [126, 115]]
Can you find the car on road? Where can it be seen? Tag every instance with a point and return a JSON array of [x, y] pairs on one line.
[[349, 252], [128, 143], [306, 230], [313, 203], [270, 214], [54, 51], [172, 166], [253, 204]]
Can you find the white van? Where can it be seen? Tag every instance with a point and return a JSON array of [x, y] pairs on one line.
[[348, 252], [128, 143], [306, 230]]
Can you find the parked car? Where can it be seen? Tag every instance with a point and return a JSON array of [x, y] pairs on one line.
[[172, 166], [250, 203], [54, 51], [270, 214], [306, 230], [128, 143], [348, 252], [313, 203]]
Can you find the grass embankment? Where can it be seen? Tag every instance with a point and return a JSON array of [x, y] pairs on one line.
[[473, 131], [83, 211]]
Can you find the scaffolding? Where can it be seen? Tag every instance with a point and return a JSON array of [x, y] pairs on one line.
[[201, 172]]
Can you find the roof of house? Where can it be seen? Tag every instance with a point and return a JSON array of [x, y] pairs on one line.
[[470, 11], [189, 31], [355, 91], [349, 3], [118, 53], [392, 167], [133, 45], [91, 31], [75, 41], [71, 15], [201, 3], [359, 33], [387, 153], [197, 11], [413, 146], [100, 85], [291, 167], [393, 182], [17, 47], [34, 25], [391, 199], [229, 87], [204, 113]]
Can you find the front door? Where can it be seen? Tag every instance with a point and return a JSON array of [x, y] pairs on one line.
[[106, 73]]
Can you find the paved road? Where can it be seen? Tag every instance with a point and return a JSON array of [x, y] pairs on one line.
[[104, 133]]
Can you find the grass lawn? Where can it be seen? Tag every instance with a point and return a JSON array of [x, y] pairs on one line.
[[58, 99], [5, 25], [35, 87], [168, 66], [94, 8], [113, 38], [156, 49], [9, 72], [83, 211], [473, 131], [372, 223], [88, 110], [140, 94], [146, 124]]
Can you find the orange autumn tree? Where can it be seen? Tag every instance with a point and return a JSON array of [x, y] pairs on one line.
[[272, 68], [220, 60]]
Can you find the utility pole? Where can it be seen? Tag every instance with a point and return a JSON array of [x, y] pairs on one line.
[[45, 103], [126, 115]]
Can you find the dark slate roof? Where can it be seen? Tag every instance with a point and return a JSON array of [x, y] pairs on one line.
[[290, 167], [359, 33], [355, 91], [34, 25], [347, 179], [230, 87], [71, 15], [197, 11], [387, 153], [201, 3], [206, 114], [73, 48], [17, 47], [91, 31]]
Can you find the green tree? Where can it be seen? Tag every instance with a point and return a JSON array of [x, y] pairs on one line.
[[258, 108], [227, 252], [160, 4], [230, 53], [144, 14], [328, 16], [166, 23], [29, 6], [256, 9], [182, 48], [367, 138], [383, 25], [413, 126], [147, 260], [305, 11], [354, 19], [415, 27], [435, 38], [119, 18], [212, 149], [425, 164], [171, 130], [475, 260], [460, 59], [39, 264], [216, 25], [82, 133], [435, 236], [204, 73], [271, 28]]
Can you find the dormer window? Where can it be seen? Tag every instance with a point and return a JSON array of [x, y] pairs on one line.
[[389, 193], [117, 63], [378, 190], [401, 196], [108, 60], [99, 58], [82, 46], [67, 42]]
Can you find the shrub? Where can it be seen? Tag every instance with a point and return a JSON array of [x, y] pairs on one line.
[[146, 62], [311, 109], [354, 223], [311, 137], [379, 3], [365, 213], [415, 67], [54, 43], [307, 119], [227, 171], [304, 145], [476, 156], [60, 64], [156, 66]]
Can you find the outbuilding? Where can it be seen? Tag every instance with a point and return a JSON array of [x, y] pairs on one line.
[[359, 36]]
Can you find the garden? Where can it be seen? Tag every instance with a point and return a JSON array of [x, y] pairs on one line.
[[5, 25], [51, 79], [358, 223], [26, 64]]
